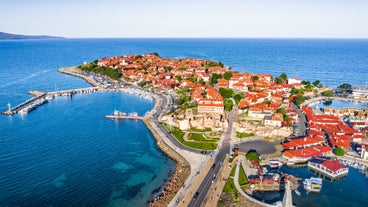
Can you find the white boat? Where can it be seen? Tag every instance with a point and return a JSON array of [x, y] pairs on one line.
[[297, 192], [274, 164], [119, 113], [313, 184]]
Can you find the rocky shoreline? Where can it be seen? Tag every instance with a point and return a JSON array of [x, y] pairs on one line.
[[182, 169], [181, 172]]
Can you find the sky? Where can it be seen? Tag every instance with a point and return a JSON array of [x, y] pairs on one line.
[[189, 18]]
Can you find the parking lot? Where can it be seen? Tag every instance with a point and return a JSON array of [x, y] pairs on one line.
[[261, 146]]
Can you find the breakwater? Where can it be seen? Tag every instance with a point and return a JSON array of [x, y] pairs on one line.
[[182, 169]]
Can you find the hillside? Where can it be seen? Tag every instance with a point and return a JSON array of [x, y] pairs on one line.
[[8, 36]]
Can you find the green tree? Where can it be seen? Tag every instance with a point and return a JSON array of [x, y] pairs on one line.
[[252, 155], [255, 78], [278, 80], [192, 79], [215, 77], [179, 78], [237, 98], [339, 151], [345, 86], [283, 76], [316, 83], [182, 68], [282, 111], [300, 99], [156, 54], [168, 69], [226, 93], [328, 93], [228, 104], [228, 75]]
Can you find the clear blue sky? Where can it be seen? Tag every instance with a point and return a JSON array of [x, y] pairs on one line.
[[189, 18]]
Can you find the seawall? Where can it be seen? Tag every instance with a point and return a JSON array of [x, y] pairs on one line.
[[182, 169]]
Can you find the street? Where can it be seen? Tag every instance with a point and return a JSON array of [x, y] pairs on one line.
[[213, 173]]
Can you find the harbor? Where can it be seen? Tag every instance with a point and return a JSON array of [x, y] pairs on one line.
[[99, 83]]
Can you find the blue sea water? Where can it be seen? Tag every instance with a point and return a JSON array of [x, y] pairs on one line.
[[66, 153]]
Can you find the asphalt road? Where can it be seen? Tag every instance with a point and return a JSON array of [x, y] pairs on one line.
[[301, 129], [214, 171], [162, 109]]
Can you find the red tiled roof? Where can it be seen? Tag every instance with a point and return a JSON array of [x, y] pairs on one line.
[[333, 165]]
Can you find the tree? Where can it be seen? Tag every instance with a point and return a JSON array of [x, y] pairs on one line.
[[179, 78], [283, 76], [278, 80], [228, 75], [156, 54], [328, 93], [252, 155], [300, 99], [182, 68], [339, 151], [255, 78], [215, 77], [228, 104], [345, 86], [316, 83], [168, 69], [237, 98], [282, 111], [192, 79], [226, 93]]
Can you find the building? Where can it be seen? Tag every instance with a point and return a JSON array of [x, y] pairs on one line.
[[328, 168], [210, 106], [360, 92]]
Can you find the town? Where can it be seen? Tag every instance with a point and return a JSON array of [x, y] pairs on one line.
[[212, 103]]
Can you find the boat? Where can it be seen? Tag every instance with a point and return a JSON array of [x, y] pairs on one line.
[[313, 184], [119, 113], [297, 192], [275, 164]]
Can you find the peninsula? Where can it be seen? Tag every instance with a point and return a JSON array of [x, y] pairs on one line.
[[207, 117]]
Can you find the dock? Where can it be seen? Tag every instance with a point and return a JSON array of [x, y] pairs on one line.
[[41, 98], [124, 117]]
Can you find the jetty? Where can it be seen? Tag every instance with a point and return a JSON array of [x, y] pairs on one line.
[[42, 98], [124, 117]]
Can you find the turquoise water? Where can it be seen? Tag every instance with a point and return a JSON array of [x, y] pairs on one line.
[[66, 153]]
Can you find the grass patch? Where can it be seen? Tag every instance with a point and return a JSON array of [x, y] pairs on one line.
[[178, 134], [201, 138], [244, 135], [232, 173], [230, 186], [207, 129], [243, 180]]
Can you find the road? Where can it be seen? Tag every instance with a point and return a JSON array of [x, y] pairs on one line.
[[164, 109], [215, 170], [301, 129]]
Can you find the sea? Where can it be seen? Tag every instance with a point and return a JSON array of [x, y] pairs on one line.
[[65, 153]]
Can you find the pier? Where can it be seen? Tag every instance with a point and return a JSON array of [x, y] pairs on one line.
[[125, 117], [43, 98]]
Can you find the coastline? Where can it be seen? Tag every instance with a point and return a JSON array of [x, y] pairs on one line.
[[182, 168]]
